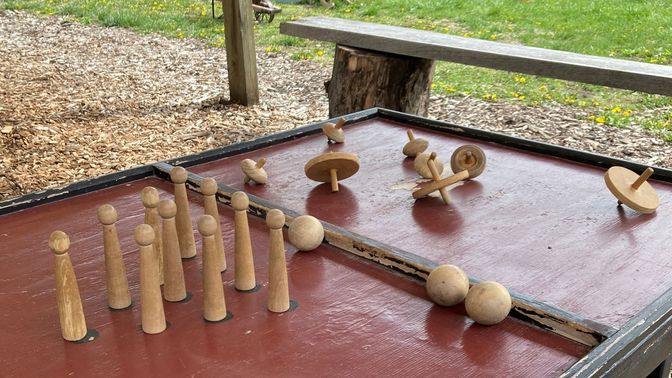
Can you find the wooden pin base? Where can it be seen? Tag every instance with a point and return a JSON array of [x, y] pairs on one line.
[[228, 316], [252, 290], [121, 309]]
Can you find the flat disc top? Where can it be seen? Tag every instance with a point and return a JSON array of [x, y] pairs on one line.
[[619, 181], [468, 157], [319, 167]]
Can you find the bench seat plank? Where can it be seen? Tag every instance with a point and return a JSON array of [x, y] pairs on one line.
[[616, 73]]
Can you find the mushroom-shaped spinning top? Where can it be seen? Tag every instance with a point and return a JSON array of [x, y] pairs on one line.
[[468, 157], [414, 146], [632, 190], [335, 132], [331, 167], [438, 183], [254, 171], [420, 165]]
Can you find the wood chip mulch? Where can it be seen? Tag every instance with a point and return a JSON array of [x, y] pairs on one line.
[[79, 101]]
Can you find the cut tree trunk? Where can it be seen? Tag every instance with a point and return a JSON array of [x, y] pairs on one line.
[[363, 79]]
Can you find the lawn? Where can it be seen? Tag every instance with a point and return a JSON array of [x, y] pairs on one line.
[[629, 29]]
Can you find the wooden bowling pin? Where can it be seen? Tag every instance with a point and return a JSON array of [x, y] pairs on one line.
[[118, 296], [150, 199], [214, 304], [70, 311], [209, 188], [173, 273], [151, 304], [278, 289], [244, 262], [185, 233]]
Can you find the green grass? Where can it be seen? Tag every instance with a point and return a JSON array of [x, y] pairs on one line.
[[629, 29]]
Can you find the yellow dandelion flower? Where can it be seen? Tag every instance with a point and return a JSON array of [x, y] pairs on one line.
[[616, 109], [600, 119]]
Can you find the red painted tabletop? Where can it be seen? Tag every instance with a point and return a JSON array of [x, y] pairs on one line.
[[354, 317], [540, 225]]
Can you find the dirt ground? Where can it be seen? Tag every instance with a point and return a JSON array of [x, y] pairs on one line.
[[79, 101]]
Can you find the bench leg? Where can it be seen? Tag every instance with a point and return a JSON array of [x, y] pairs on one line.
[[663, 370]]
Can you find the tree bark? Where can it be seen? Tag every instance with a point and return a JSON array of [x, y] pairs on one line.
[[363, 79]]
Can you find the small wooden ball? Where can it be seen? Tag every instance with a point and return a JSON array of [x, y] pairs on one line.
[[275, 219], [59, 243], [144, 235], [167, 208], [240, 201], [150, 197], [107, 215], [208, 186], [306, 233], [207, 225], [447, 285], [420, 165], [178, 175], [488, 303]]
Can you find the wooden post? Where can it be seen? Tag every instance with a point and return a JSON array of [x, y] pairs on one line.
[[362, 79], [241, 58]]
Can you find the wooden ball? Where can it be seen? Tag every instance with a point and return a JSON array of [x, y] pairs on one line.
[[107, 215], [488, 303], [208, 186], [447, 285], [59, 243], [240, 201], [178, 175], [306, 233], [420, 165], [150, 197], [275, 219], [207, 225], [167, 208], [144, 235]]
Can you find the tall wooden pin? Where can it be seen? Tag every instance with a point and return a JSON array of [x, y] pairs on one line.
[[278, 289], [214, 304], [151, 303], [185, 232], [244, 262], [209, 189], [118, 296], [173, 273], [150, 199], [70, 311]]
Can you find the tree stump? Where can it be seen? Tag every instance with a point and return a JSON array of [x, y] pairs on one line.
[[363, 79]]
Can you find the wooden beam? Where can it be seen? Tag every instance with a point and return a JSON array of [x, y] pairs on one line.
[[616, 73], [241, 57]]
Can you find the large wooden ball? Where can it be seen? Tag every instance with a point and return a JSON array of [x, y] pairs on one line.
[[488, 303], [305, 233], [447, 285]]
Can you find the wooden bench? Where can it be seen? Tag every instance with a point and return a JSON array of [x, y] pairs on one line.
[[401, 44]]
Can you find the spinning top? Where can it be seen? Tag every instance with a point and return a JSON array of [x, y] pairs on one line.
[[335, 132], [632, 190], [420, 165], [414, 146], [254, 171], [331, 167], [468, 157], [438, 183]]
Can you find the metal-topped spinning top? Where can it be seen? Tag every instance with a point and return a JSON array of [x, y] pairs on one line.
[[414, 145], [331, 167], [632, 189], [254, 171], [335, 132]]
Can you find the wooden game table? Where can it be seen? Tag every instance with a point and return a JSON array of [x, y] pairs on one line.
[[590, 280]]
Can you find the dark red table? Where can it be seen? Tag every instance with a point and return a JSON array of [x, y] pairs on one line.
[[590, 280]]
